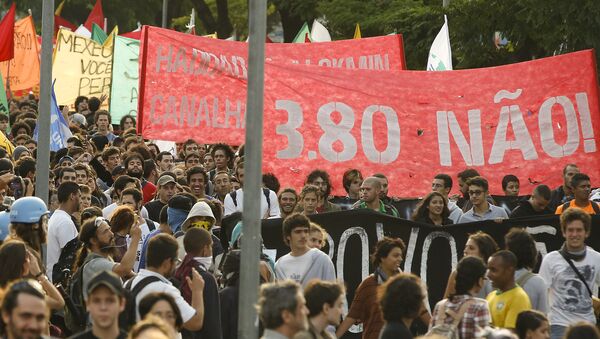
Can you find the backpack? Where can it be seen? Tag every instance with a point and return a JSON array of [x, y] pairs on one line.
[[524, 278], [151, 224], [266, 193], [127, 318], [61, 271], [595, 206], [450, 331], [75, 311]]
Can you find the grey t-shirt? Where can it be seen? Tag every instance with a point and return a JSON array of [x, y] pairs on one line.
[[493, 212], [536, 289], [94, 264], [313, 264]]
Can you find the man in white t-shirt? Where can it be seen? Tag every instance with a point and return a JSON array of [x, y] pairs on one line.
[[570, 298], [161, 261], [303, 263], [61, 227], [234, 201]]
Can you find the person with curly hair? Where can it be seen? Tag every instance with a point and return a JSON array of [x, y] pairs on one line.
[[400, 299], [433, 210]]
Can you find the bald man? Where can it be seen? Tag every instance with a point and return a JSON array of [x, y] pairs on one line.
[[369, 197]]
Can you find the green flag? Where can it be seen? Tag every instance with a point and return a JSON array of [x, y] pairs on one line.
[[3, 100], [98, 34], [303, 36], [125, 77]]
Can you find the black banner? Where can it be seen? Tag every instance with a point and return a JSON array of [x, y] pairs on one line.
[[432, 251]]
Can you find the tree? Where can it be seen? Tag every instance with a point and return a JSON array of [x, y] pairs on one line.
[[535, 28]]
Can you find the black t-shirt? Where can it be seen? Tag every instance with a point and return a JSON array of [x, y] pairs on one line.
[[395, 330], [89, 335]]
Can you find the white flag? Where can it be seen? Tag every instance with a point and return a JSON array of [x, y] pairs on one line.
[[319, 33], [440, 54], [84, 32]]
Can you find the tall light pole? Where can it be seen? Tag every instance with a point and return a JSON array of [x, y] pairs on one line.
[[247, 328], [42, 165]]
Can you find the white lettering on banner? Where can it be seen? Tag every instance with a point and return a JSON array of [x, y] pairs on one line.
[[549, 144], [375, 62], [333, 132], [193, 111], [541, 247], [364, 242], [587, 131], [290, 129], [511, 114], [393, 135], [472, 152]]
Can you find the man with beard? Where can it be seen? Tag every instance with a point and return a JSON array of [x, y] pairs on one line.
[[165, 161], [98, 244], [161, 260], [321, 179], [383, 193], [288, 199], [134, 165], [61, 226], [24, 311]]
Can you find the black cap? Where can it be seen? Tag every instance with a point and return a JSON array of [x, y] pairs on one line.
[[107, 279]]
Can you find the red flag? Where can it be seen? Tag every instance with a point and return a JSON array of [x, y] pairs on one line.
[[96, 16], [133, 34], [60, 21], [7, 35]]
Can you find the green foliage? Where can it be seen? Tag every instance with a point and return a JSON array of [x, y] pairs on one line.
[[535, 28]]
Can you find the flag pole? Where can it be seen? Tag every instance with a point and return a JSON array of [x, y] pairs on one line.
[[164, 13], [43, 148], [251, 218]]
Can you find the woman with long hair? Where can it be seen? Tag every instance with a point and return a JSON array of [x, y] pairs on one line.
[[309, 199], [121, 220], [480, 245], [18, 262], [433, 210], [364, 308]]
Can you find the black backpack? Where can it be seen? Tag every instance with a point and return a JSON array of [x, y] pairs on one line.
[[266, 193], [61, 271], [127, 318], [75, 312], [151, 224]]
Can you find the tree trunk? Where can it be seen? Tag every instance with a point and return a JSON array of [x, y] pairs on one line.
[[291, 25], [205, 16], [224, 26]]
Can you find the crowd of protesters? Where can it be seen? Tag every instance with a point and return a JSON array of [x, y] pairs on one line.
[[131, 244]]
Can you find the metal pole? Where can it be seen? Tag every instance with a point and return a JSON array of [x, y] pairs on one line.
[[42, 165], [249, 276], [164, 13]]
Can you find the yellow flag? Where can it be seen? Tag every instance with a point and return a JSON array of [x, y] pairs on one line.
[[59, 8], [357, 34], [211, 36], [109, 41], [6, 144]]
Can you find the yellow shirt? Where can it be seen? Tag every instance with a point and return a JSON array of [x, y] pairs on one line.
[[506, 306]]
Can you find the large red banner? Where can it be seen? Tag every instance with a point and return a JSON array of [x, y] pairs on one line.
[[174, 64], [527, 119]]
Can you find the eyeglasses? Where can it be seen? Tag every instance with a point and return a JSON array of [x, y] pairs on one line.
[[475, 193]]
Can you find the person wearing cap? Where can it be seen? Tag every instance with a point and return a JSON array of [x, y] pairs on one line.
[[200, 216], [104, 300], [166, 189], [170, 219]]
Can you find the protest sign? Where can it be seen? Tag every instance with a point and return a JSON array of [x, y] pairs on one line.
[[409, 125], [24, 72], [177, 64], [81, 66], [432, 251], [124, 89]]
